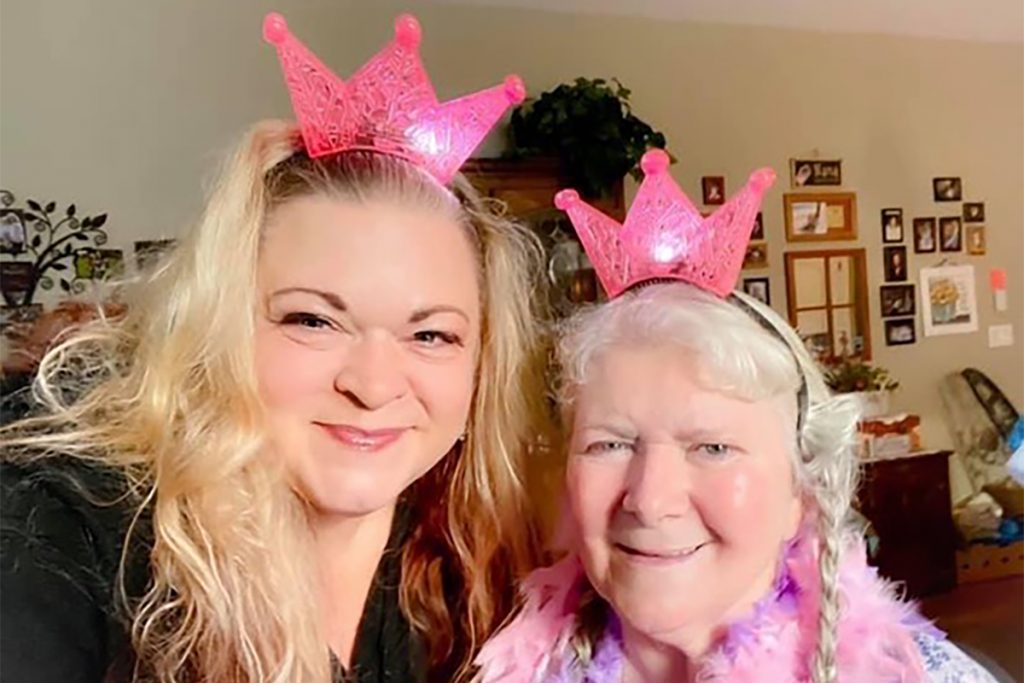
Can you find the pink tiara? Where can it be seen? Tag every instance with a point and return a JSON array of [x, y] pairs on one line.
[[389, 105], [665, 236]]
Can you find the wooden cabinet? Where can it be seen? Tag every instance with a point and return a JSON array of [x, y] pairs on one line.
[[529, 186], [908, 503]]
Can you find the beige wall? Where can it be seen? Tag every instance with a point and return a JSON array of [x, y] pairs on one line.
[[125, 106]]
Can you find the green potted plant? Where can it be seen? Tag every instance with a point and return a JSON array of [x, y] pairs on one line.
[[589, 126], [873, 384]]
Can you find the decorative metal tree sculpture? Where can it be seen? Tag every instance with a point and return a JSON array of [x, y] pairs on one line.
[[51, 239]]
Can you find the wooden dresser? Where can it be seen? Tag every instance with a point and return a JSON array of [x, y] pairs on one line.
[[907, 500]]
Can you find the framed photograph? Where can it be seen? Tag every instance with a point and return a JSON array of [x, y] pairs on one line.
[[758, 288], [948, 301], [15, 280], [713, 188], [815, 172], [756, 257], [924, 236], [895, 261], [897, 300], [975, 239], [974, 212], [950, 234], [13, 234], [899, 332], [892, 226], [99, 264], [758, 232], [148, 253], [820, 217], [947, 189]]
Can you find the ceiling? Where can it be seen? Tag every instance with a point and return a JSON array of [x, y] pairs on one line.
[[975, 20]]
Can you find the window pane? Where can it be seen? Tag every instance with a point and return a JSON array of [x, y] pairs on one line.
[[809, 274], [840, 272]]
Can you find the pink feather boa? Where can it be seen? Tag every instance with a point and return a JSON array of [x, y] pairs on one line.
[[775, 642]]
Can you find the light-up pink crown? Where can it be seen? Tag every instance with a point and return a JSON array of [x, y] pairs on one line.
[[389, 105], [665, 237]]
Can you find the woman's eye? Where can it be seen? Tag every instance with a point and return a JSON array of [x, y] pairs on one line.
[[714, 450], [436, 338], [307, 320], [606, 447]]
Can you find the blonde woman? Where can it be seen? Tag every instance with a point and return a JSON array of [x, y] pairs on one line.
[[297, 457], [709, 479]]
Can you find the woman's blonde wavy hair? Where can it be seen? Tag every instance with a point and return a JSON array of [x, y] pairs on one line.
[[167, 394]]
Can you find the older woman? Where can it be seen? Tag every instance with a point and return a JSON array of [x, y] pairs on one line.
[[709, 477]]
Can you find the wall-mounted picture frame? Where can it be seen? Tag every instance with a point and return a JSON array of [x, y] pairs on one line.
[[149, 253], [99, 264], [947, 189], [895, 262], [974, 212], [758, 232], [925, 238], [756, 257], [815, 172], [892, 226], [16, 278], [900, 331], [820, 216], [713, 190], [950, 234], [897, 300], [974, 238], [13, 233], [758, 288], [948, 301]]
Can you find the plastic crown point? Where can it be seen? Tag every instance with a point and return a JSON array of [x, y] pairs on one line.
[[655, 161], [407, 31], [515, 89], [566, 198], [275, 28], [762, 179]]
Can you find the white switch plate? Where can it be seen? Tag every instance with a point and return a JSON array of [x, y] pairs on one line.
[[1000, 335]]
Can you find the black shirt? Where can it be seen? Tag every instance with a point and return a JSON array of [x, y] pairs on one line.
[[60, 550]]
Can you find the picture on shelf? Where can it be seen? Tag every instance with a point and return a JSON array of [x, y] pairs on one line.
[[947, 189], [924, 236], [898, 332], [815, 172], [975, 239], [12, 232], [897, 300], [974, 212], [895, 262], [713, 188], [892, 226], [950, 233], [758, 288]]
